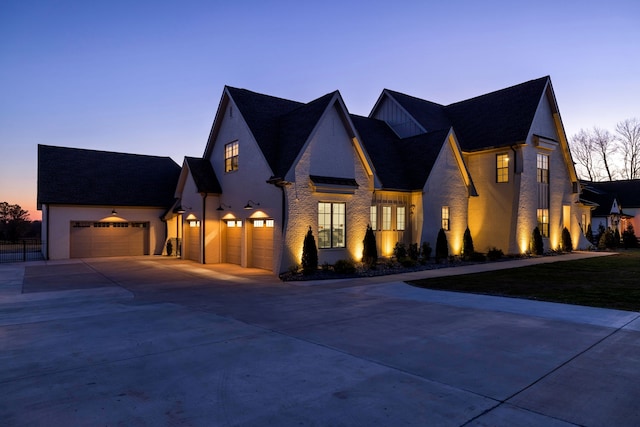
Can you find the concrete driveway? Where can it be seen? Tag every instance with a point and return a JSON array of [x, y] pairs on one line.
[[157, 341]]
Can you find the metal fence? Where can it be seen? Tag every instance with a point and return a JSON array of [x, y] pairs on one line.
[[21, 250]]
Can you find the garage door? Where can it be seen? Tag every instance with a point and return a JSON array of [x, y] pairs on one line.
[[192, 232], [234, 238], [262, 244], [105, 239]]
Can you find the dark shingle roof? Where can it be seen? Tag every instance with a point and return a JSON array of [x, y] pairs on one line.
[[203, 175], [496, 119], [401, 164], [89, 177], [626, 192]]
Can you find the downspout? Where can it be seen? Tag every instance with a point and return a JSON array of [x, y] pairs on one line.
[[48, 227], [204, 221]]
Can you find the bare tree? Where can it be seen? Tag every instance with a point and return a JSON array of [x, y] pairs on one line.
[[583, 151], [628, 137], [604, 144]]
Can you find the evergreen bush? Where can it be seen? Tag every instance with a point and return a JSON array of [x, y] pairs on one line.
[[629, 238], [494, 254], [426, 251], [309, 254], [442, 246], [589, 234], [616, 238], [467, 245], [400, 251], [344, 266], [567, 244], [414, 252], [370, 250], [538, 246]]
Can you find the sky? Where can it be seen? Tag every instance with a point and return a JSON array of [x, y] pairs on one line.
[[146, 77]]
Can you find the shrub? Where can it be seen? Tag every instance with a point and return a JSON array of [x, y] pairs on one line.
[[442, 247], [601, 232], [629, 238], [567, 244], [538, 246], [399, 251], [607, 240], [293, 269], [169, 248], [426, 251], [477, 257], [370, 250], [467, 244], [589, 234], [494, 254], [414, 251], [344, 266], [616, 238], [309, 253]]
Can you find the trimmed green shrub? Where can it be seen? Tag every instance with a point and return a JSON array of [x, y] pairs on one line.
[[414, 251], [442, 246], [616, 238], [629, 239], [426, 251], [169, 248], [467, 244], [607, 240], [344, 266], [589, 234], [309, 254], [536, 241], [399, 251], [370, 250], [567, 244], [494, 254]]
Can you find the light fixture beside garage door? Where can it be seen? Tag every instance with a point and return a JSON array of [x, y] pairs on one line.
[[192, 220]]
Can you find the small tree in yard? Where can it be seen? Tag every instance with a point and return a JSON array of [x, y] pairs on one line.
[[369, 251], [309, 254], [629, 238], [589, 234], [467, 244], [567, 244], [538, 246], [442, 246]]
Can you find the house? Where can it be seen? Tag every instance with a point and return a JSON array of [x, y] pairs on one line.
[[98, 203], [498, 164], [616, 204]]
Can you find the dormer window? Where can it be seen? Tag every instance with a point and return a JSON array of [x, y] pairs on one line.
[[231, 157]]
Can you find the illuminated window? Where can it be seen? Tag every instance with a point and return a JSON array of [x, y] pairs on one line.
[[400, 218], [194, 223], [543, 168], [386, 217], [269, 223], [258, 223], [233, 223], [231, 156], [543, 222], [373, 217], [502, 168], [445, 218], [331, 225]]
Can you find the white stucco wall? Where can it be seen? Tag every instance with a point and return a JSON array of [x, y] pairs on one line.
[[60, 217], [320, 157], [240, 186]]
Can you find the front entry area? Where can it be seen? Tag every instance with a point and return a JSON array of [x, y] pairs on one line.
[[89, 239]]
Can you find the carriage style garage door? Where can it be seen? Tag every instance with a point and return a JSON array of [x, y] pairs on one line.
[[262, 244], [234, 236], [105, 239], [192, 233]]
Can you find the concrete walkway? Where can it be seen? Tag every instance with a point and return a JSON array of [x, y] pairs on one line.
[[157, 341]]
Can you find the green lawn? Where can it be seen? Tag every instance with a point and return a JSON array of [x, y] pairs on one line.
[[610, 281]]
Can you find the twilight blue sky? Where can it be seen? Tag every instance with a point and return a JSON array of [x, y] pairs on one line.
[[145, 77]]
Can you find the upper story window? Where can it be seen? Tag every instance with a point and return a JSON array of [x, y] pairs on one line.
[[543, 168], [231, 156], [502, 168], [445, 218], [331, 225]]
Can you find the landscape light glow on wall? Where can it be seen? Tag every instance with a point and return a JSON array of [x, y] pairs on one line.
[[220, 208], [250, 204]]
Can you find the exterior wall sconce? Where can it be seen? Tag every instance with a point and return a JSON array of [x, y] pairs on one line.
[[113, 212], [180, 210], [250, 204], [220, 208]]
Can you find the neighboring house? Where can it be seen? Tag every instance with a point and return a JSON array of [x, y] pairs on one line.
[[272, 168], [98, 203], [616, 204]]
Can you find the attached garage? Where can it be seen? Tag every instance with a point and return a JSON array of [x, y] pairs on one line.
[[192, 234], [234, 241], [107, 239], [262, 244]]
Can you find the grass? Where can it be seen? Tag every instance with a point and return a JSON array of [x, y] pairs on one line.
[[609, 282]]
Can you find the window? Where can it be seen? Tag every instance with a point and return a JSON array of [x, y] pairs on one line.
[[231, 156], [543, 193], [543, 222], [269, 223], [543, 168], [258, 223], [373, 217], [386, 217], [445, 218], [331, 225], [502, 168], [232, 224], [400, 218]]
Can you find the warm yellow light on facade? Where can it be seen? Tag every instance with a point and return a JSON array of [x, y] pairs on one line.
[[259, 214]]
